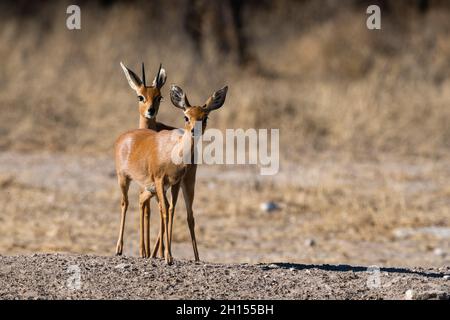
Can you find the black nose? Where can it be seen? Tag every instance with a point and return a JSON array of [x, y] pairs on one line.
[[151, 112], [192, 131]]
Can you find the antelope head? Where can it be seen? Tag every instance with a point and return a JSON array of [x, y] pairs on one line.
[[197, 114], [149, 96]]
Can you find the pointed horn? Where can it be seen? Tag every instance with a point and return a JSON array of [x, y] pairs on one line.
[[143, 74]]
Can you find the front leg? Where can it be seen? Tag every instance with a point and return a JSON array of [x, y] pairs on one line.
[[160, 248], [147, 227], [188, 188], [163, 204], [144, 199]]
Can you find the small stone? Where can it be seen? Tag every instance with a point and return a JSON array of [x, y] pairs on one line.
[[402, 233], [273, 266], [439, 252], [292, 269], [409, 294], [269, 206], [123, 266], [432, 295], [446, 277], [310, 242], [212, 185]]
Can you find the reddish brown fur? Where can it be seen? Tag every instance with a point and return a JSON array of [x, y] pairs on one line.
[[152, 96], [144, 155]]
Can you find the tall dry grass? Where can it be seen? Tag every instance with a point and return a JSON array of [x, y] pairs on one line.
[[327, 82]]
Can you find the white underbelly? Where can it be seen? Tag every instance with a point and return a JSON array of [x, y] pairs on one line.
[[152, 188]]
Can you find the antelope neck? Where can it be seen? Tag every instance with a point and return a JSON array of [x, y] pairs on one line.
[[145, 123], [188, 140]]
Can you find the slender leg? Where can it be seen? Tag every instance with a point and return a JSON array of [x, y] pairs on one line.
[[144, 197], [188, 188], [124, 184], [173, 202], [158, 249], [160, 237], [147, 227], [163, 204]]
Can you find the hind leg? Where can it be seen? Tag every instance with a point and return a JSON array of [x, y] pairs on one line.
[[173, 202]]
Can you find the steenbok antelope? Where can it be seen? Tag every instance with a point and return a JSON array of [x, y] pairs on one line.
[[149, 100], [146, 156], [147, 120]]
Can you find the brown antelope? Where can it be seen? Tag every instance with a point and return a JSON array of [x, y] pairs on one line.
[[146, 156], [149, 101], [147, 120]]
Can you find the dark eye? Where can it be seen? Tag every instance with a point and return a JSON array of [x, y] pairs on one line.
[[186, 119], [141, 98]]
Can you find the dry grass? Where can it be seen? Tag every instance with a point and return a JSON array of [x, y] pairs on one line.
[[328, 81], [364, 122]]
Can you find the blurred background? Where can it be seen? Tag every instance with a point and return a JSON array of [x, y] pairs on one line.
[[363, 116]]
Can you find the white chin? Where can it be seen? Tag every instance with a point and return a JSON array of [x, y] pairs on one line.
[[149, 116]]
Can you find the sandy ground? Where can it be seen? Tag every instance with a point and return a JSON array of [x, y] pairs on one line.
[[385, 212], [389, 213], [56, 276]]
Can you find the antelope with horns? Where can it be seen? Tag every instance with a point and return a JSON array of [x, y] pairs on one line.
[[149, 100], [148, 110], [145, 156]]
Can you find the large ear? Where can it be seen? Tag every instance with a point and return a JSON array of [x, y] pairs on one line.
[[133, 79], [178, 97], [217, 99], [160, 78]]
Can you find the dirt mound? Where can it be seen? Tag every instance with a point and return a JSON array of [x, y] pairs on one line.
[[58, 276]]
